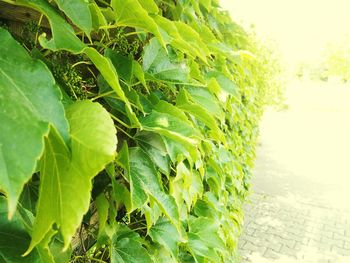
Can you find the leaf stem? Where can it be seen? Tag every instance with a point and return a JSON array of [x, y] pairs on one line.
[[127, 134], [37, 32], [81, 62], [120, 121], [102, 95]]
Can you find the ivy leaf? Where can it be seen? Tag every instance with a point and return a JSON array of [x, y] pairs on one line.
[[97, 17], [199, 113], [204, 98], [154, 146], [64, 170], [203, 238], [170, 121], [29, 102], [79, 12], [157, 64], [192, 37], [63, 35], [164, 233], [150, 6], [127, 68], [186, 186], [14, 239], [225, 83], [144, 182], [131, 13], [126, 247], [174, 37]]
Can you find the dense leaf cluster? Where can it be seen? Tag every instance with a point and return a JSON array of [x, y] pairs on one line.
[[179, 84]]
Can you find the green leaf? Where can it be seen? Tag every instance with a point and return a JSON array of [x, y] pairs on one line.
[[127, 68], [105, 66], [225, 83], [204, 98], [203, 238], [199, 113], [14, 239], [192, 37], [63, 35], [145, 183], [154, 146], [64, 38], [78, 11], [97, 17], [170, 121], [126, 247], [102, 207], [150, 6], [157, 64], [174, 37], [29, 102], [131, 13], [186, 186], [164, 233], [63, 169]]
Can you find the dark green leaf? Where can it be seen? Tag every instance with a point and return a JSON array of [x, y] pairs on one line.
[[14, 239]]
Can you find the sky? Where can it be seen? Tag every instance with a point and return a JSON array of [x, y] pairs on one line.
[[301, 28]]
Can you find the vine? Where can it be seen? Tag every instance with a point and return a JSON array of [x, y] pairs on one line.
[[128, 131]]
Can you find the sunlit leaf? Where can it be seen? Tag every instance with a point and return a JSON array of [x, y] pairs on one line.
[[82, 18], [131, 13], [63, 169], [157, 64]]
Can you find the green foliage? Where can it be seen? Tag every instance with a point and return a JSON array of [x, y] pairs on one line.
[[182, 84]]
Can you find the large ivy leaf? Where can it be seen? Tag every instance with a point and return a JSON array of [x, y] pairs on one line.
[[79, 12], [145, 183], [131, 13], [157, 64], [64, 170], [14, 239], [164, 233], [126, 247], [29, 102]]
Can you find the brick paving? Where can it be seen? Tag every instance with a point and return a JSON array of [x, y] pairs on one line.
[[284, 230]]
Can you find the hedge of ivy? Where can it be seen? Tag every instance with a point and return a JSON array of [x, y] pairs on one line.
[[128, 130]]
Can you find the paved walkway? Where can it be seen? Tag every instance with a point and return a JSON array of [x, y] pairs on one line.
[[300, 208]]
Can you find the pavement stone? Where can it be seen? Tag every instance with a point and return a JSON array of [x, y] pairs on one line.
[[278, 231]]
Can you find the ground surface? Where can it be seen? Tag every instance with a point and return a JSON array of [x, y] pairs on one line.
[[300, 208]]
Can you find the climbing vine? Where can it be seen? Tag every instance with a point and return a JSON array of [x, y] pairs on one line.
[[128, 130]]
